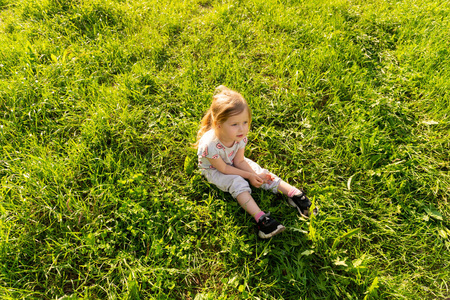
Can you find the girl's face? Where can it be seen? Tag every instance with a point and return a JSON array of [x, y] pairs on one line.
[[234, 129]]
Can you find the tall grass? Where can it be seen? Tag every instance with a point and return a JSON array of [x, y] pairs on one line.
[[100, 102]]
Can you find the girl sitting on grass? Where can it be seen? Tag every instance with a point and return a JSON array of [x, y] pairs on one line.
[[221, 143]]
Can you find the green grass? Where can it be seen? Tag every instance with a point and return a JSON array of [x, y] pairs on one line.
[[101, 100]]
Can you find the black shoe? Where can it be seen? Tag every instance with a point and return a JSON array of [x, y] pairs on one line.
[[303, 204], [268, 226]]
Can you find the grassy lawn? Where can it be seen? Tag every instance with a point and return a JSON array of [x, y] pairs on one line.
[[100, 102]]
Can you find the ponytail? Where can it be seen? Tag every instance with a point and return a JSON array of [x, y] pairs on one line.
[[205, 125]]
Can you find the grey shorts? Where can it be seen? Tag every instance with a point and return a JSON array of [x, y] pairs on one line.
[[235, 184]]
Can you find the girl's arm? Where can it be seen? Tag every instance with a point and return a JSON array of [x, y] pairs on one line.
[[222, 167], [240, 163]]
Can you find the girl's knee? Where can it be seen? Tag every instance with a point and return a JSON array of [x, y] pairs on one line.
[[238, 186]]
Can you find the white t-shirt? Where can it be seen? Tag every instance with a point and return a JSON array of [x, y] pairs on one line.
[[211, 147]]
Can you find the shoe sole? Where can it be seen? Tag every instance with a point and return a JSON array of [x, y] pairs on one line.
[[280, 229]]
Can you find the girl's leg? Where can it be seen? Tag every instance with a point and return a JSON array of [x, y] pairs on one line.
[[240, 189], [247, 202], [288, 189], [297, 198], [267, 226], [275, 184]]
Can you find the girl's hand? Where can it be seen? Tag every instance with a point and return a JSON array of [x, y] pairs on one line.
[[256, 180], [266, 177]]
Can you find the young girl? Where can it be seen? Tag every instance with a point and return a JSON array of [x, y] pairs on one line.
[[221, 143]]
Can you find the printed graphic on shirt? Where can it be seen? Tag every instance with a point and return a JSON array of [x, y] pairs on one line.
[[205, 153]]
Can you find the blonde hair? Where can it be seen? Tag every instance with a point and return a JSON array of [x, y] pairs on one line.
[[226, 103]]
